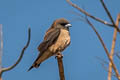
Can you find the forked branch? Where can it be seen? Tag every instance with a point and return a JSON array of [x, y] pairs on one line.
[[107, 53], [113, 47], [107, 11], [91, 16], [109, 15], [21, 55]]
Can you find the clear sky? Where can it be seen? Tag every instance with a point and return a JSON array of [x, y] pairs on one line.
[[80, 61]]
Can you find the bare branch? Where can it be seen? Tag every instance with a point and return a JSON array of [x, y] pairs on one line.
[[105, 67], [60, 65], [113, 46], [109, 15], [1, 48], [86, 13], [107, 11], [107, 53], [19, 59], [95, 18], [104, 64]]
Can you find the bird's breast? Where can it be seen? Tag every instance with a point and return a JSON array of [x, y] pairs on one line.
[[62, 42]]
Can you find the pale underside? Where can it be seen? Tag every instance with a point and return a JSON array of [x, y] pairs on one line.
[[62, 42]]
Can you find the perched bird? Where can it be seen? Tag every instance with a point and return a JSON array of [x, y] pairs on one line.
[[56, 39]]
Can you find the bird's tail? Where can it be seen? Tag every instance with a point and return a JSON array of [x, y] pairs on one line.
[[30, 68], [34, 65]]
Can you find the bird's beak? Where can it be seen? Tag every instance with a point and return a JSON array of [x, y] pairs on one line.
[[68, 25]]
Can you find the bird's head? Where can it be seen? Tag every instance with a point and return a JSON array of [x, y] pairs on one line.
[[61, 23]]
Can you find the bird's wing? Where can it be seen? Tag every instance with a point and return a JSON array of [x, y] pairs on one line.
[[50, 38]]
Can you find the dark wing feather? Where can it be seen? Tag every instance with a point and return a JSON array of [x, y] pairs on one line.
[[49, 39]]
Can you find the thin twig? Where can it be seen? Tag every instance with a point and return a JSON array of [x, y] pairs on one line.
[[107, 11], [93, 17], [21, 55], [80, 18], [113, 47], [109, 15], [117, 54], [102, 60], [1, 45], [61, 67], [104, 64], [106, 68], [1, 48], [107, 53], [86, 13]]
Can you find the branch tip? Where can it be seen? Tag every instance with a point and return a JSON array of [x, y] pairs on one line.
[[21, 55]]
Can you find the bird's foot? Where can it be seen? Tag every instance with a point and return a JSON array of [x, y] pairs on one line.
[[59, 55]]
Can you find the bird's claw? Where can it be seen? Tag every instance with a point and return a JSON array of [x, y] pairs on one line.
[[59, 55]]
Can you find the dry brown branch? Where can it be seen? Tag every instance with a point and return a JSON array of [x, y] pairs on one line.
[[106, 69], [21, 55], [93, 17], [60, 65], [86, 13], [104, 22], [113, 47], [107, 53], [107, 11], [109, 15], [104, 64]]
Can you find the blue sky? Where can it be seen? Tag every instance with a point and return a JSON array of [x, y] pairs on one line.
[[80, 61]]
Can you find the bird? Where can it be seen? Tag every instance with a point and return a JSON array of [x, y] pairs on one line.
[[56, 39]]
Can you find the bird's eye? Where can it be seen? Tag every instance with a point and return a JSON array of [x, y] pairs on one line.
[[63, 24]]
